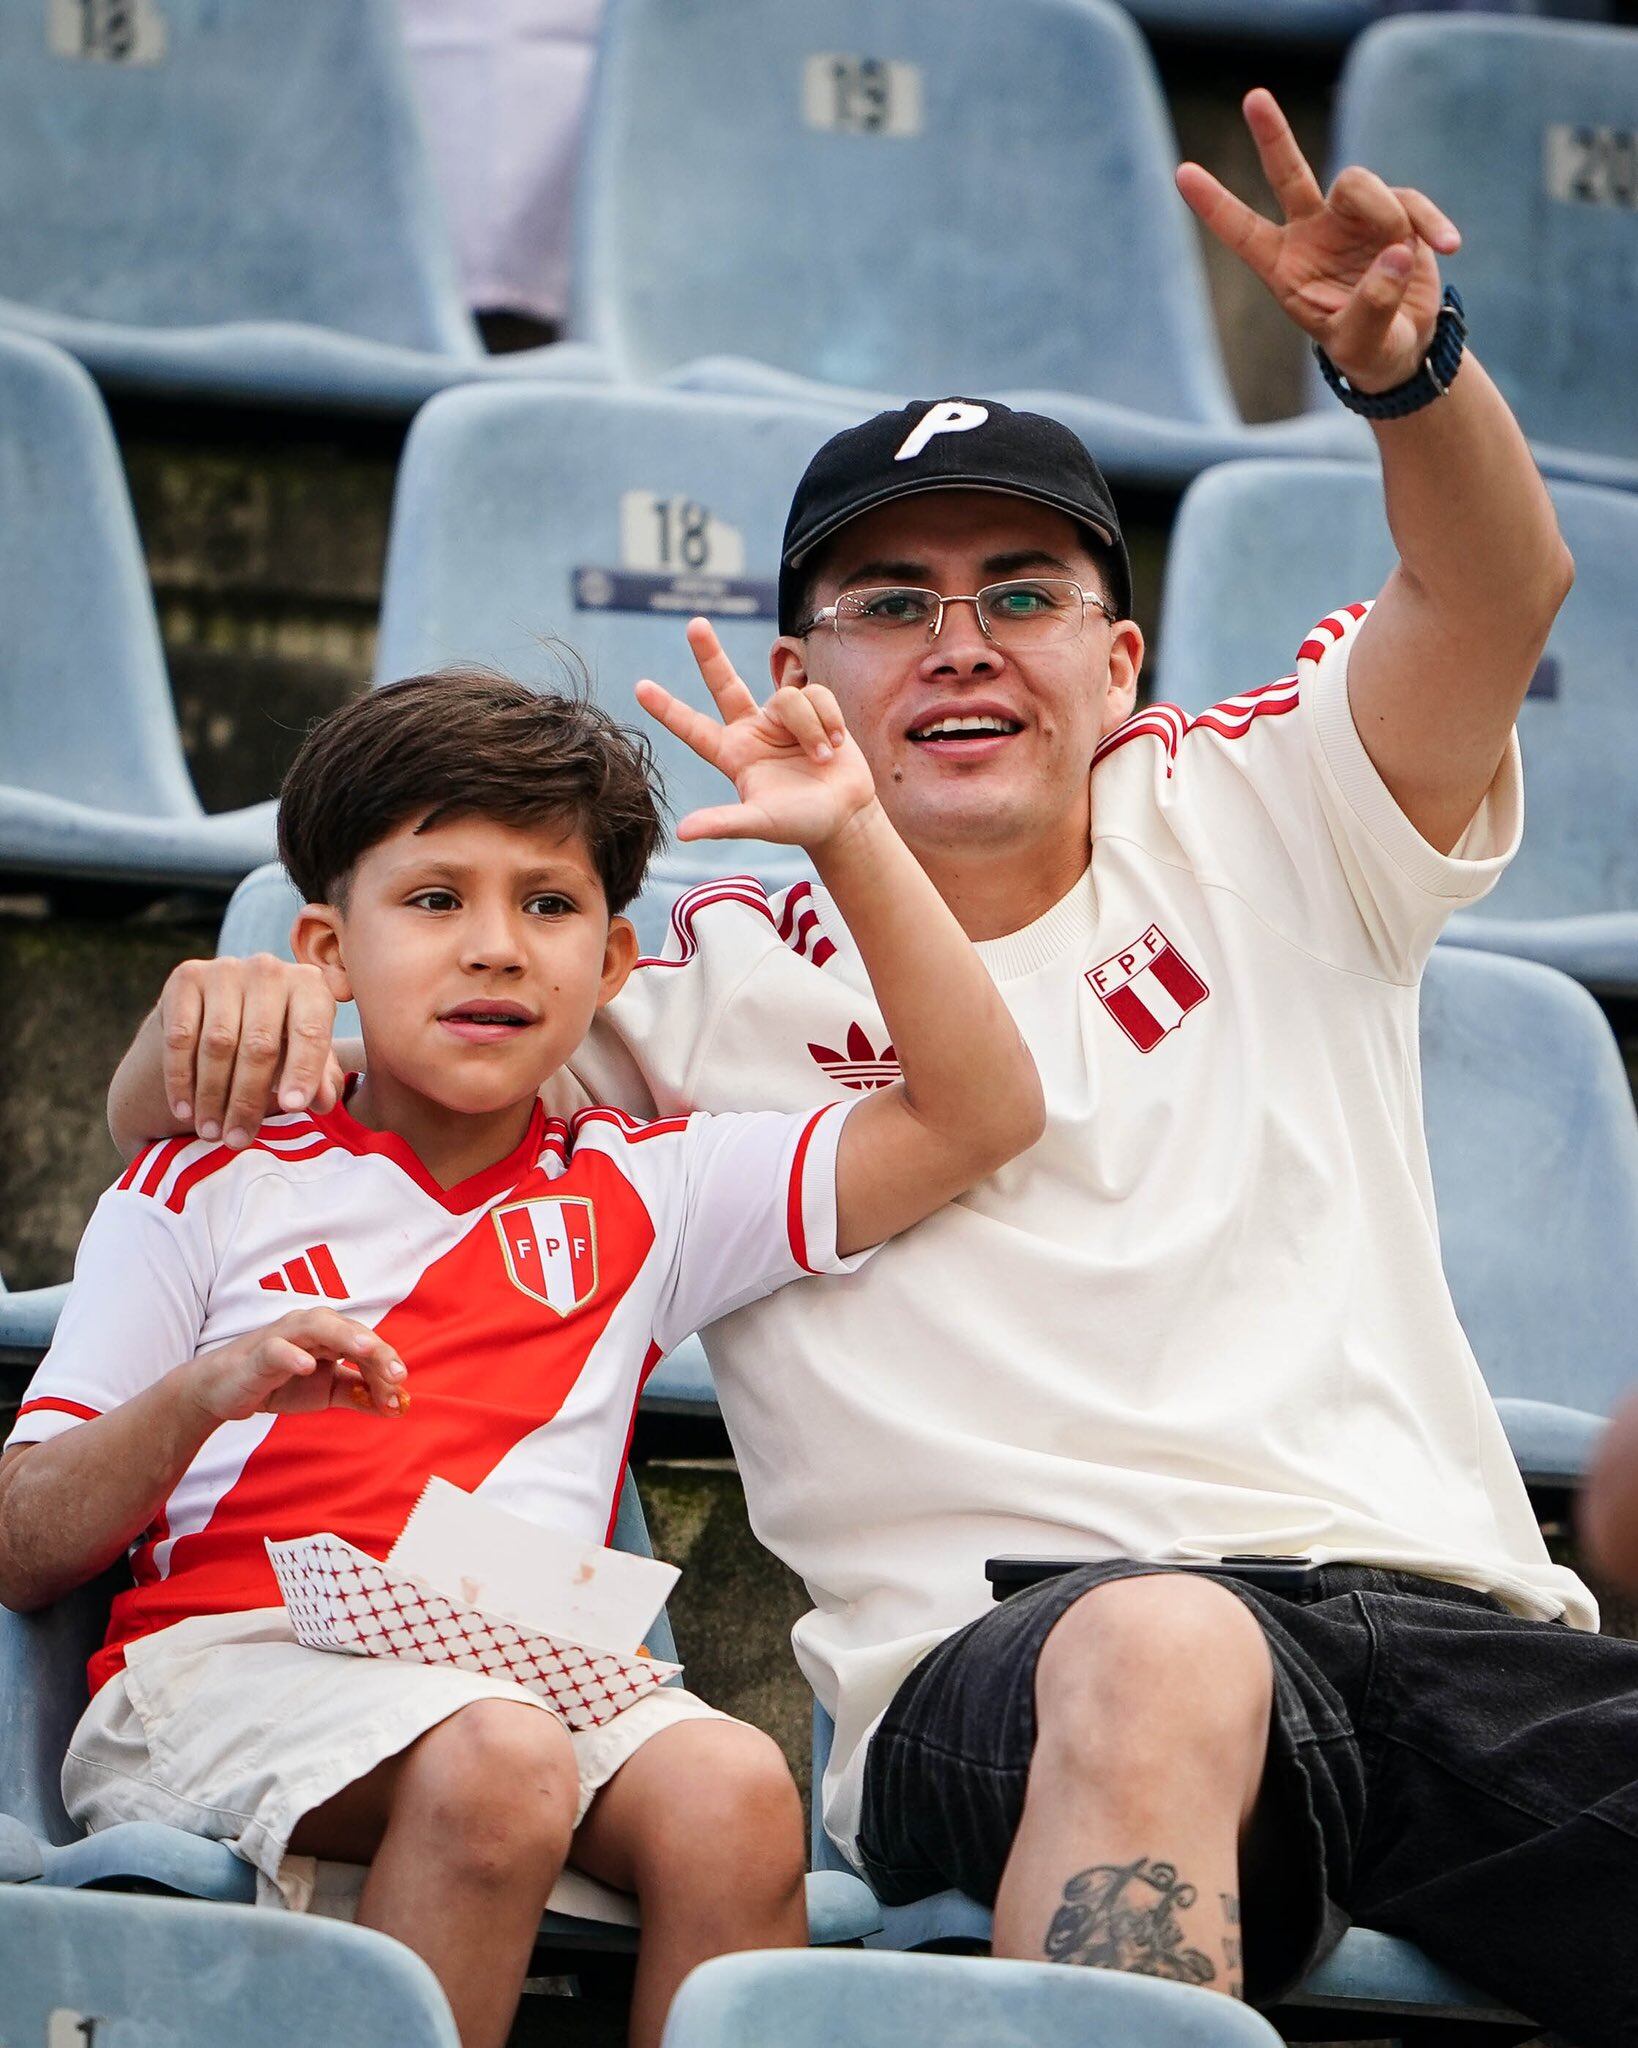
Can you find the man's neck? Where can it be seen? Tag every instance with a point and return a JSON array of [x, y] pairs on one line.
[[994, 895], [451, 1144]]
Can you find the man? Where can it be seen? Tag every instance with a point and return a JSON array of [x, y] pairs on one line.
[[1205, 1316]]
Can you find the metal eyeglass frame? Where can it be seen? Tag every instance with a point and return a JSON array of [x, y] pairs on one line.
[[827, 614]]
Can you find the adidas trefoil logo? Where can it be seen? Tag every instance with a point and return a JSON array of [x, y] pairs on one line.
[[310, 1272], [861, 1066]]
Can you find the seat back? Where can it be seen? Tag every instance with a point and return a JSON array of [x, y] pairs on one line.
[[43, 1688], [1523, 131], [1262, 550], [79, 1966], [1534, 1146], [180, 163], [602, 519], [912, 196], [85, 703]]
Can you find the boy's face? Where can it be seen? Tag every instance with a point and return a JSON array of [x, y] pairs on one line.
[[478, 954]]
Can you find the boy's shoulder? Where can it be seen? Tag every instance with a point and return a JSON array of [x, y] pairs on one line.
[[184, 1175]]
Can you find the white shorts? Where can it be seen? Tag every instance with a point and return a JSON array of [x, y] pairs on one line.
[[225, 1725]]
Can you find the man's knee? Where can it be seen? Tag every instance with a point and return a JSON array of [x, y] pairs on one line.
[[1141, 1667], [495, 1788]]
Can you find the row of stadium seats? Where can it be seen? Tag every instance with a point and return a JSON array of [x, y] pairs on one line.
[[837, 201], [600, 517]]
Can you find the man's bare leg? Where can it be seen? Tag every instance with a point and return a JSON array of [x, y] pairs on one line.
[[705, 1826], [1153, 1697], [465, 1834]]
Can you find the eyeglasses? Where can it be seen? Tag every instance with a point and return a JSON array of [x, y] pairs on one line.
[[1031, 611]]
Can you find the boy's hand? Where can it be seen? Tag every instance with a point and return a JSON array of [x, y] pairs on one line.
[[801, 778], [312, 1358]]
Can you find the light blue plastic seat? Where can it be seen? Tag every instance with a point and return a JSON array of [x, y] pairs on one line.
[[1365, 1974], [81, 1967], [601, 518], [1522, 132], [42, 1695], [900, 198], [791, 1999], [93, 783], [27, 1319], [232, 202], [1260, 551], [258, 920], [1534, 1145]]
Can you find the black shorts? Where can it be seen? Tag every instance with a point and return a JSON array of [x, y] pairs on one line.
[[1437, 1769]]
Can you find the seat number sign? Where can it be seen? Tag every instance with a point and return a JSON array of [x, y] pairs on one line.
[[1592, 166], [676, 556], [861, 96], [106, 31]]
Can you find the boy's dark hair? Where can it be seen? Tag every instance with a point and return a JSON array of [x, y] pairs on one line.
[[461, 743]]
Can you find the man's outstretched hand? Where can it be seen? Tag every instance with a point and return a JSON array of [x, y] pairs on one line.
[[800, 776], [1354, 267]]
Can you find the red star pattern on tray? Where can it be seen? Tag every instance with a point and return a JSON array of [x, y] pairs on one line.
[[339, 1599]]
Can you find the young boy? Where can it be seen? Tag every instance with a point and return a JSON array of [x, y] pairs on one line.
[[296, 1336]]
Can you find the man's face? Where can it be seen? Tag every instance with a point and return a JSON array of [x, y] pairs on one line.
[[1025, 777]]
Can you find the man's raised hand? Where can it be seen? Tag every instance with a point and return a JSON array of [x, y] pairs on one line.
[[800, 776], [1354, 267]]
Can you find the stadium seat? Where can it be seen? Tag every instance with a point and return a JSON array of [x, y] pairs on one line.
[[1260, 551], [42, 1695], [93, 784], [802, 2000], [1365, 1979], [1534, 1146], [854, 198], [258, 920], [232, 203], [80, 1967], [1524, 132], [27, 1320], [602, 520]]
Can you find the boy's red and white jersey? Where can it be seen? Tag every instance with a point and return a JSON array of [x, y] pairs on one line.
[[528, 1303]]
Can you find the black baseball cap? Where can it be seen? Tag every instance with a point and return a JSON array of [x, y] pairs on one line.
[[946, 444]]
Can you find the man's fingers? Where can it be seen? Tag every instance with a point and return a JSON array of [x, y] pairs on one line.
[[730, 694], [1365, 198], [1254, 240], [799, 715], [830, 712], [331, 1082], [261, 1037], [1359, 330], [1437, 229], [724, 821], [309, 1022], [218, 1048], [181, 1010], [1287, 170], [692, 727]]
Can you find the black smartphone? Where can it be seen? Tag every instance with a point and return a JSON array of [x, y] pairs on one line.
[[1290, 1576]]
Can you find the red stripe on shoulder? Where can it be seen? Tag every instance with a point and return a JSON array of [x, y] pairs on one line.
[[1163, 722], [635, 1128], [744, 889], [201, 1169], [62, 1407], [128, 1177], [795, 1227], [163, 1159]]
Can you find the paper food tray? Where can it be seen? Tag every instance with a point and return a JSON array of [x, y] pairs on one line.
[[339, 1598]]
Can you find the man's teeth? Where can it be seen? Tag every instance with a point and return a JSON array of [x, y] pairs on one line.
[[979, 724]]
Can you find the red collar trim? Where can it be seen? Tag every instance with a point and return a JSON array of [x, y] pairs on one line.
[[341, 1125]]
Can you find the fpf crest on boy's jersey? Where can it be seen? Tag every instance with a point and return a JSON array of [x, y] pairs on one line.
[[550, 1248]]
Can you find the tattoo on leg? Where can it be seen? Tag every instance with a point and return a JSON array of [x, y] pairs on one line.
[[1123, 1916], [1232, 1951]]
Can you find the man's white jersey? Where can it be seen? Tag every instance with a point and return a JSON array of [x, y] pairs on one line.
[[1205, 1314], [529, 1304]]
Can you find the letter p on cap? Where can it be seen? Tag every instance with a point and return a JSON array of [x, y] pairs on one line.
[[949, 417]]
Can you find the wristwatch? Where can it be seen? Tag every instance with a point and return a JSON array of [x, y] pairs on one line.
[[1432, 380]]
